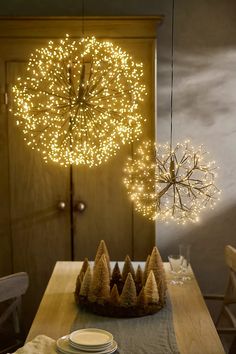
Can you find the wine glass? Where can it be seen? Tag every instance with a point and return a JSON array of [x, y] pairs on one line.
[[184, 251], [175, 261]]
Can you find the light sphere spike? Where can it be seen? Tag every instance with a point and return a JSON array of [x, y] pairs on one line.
[[80, 101], [175, 185]]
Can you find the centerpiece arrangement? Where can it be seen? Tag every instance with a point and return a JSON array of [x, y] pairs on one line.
[[122, 292]]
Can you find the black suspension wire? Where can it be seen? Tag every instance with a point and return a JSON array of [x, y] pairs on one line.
[[71, 178], [83, 16], [71, 183], [172, 74], [71, 213]]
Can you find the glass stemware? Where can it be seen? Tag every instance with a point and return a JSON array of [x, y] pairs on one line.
[[175, 261], [184, 251]]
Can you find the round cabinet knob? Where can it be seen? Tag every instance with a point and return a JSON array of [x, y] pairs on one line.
[[80, 206], [61, 205]]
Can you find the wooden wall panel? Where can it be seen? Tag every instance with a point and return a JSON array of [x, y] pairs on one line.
[[5, 232], [110, 214], [40, 232], [144, 229]]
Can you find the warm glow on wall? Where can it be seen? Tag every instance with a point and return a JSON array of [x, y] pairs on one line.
[[80, 100]]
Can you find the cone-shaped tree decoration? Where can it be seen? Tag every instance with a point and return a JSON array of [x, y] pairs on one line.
[[100, 286], [116, 274], [128, 268], [86, 283], [102, 249], [142, 299], [139, 278], [145, 272], [79, 280], [115, 297], [84, 266], [77, 288], [116, 278], [151, 290], [81, 276], [124, 294], [139, 274], [128, 296], [78, 284], [155, 264]]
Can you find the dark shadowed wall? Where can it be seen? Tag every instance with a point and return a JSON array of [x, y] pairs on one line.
[[204, 105]]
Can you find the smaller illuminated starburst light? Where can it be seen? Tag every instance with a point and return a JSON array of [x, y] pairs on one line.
[[173, 185], [80, 101]]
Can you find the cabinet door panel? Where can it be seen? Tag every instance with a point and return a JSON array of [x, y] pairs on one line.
[[40, 232], [110, 214], [5, 235]]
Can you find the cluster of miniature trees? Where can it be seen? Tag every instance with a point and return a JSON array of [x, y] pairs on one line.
[[121, 293]]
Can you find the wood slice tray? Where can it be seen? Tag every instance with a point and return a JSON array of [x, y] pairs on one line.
[[110, 310]]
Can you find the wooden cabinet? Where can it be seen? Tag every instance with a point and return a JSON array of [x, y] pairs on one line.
[[34, 233]]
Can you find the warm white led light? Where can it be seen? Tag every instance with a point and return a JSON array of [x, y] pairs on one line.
[[171, 186], [80, 101]]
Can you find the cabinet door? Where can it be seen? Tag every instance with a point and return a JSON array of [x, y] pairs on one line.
[[40, 232], [109, 212]]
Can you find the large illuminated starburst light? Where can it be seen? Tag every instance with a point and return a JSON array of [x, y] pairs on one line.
[[80, 101]]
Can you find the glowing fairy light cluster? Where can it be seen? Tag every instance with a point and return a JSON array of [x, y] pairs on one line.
[[80, 101], [176, 185]]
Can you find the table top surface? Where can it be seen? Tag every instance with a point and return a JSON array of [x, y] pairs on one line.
[[194, 329]]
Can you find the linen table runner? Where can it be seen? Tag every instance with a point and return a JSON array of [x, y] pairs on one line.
[[141, 335]]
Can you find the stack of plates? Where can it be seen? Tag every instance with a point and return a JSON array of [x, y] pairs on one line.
[[87, 341]]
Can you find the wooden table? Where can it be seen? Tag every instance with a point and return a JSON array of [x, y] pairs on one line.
[[195, 331]]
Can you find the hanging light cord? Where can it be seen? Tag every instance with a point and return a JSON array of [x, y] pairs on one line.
[[172, 75], [83, 15]]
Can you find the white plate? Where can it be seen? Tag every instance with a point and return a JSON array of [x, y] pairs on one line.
[[90, 348], [64, 347], [91, 337]]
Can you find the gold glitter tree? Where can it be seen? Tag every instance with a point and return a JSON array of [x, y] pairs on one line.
[[151, 290], [86, 283], [128, 296], [100, 283], [123, 294]]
